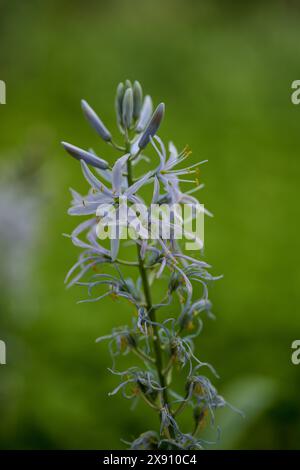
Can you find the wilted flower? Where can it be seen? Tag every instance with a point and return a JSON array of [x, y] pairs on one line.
[[146, 441]]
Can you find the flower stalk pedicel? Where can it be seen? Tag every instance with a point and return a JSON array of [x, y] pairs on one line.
[[165, 374]]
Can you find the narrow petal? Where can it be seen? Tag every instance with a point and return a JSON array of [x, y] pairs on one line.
[[155, 196], [92, 238], [114, 248], [138, 184], [89, 176], [77, 198], [162, 156], [84, 209], [162, 146], [173, 156], [162, 267], [83, 226], [106, 174], [82, 272], [79, 263], [93, 181], [88, 157], [117, 173]]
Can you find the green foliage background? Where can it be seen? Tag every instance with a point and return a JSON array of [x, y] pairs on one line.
[[224, 70]]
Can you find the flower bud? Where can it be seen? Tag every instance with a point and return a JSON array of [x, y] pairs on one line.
[[127, 110], [88, 157], [145, 114], [119, 102], [95, 121], [137, 99], [153, 125]]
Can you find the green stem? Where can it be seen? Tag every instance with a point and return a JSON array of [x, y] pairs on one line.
[[181, 406], [152, 316], [143, 356], [151, 310], [116, 146], [125, 262]]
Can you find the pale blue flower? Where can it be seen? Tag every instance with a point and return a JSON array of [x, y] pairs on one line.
[[163, 344]]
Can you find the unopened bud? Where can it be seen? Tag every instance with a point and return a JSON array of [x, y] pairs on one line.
[[153, 125], [127, 110], [95, 121], [137, 99]]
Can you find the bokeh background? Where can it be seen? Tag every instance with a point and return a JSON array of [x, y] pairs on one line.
[[224, 70]]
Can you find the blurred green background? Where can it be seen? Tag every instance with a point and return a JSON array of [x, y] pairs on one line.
[[224, 70]]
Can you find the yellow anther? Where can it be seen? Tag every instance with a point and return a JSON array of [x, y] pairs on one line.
[[187, 150]]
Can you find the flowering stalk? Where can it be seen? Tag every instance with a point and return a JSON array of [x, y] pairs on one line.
[[150, 309], [165, 345]]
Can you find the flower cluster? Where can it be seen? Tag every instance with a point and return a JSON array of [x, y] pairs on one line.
[[163, 345]]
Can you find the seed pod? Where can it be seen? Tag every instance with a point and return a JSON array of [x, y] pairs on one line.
[[95, 121], [137, 99], [119, 102], [153, 125], [127, 110], [88, 157], [145, 114]]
